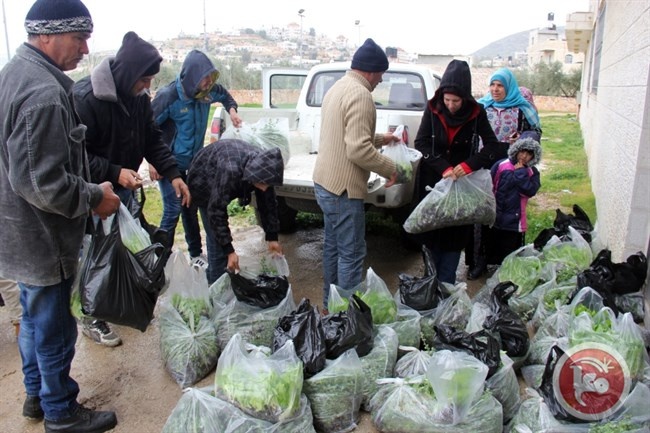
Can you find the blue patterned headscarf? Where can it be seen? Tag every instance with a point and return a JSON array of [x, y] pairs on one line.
[[513, 98]]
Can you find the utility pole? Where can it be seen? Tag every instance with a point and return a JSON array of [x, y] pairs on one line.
[[205, 31], [301, 13], [4, 22], [358, 24]]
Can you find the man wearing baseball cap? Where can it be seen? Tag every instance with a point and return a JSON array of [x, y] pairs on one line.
[[346, 155], [46, 197]]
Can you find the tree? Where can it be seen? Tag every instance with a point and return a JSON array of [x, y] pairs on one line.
[[549, 80]]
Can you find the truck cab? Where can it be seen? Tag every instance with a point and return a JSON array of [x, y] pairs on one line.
[[296, 94]]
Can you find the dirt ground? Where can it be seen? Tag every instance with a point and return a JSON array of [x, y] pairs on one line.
[[131, 379]]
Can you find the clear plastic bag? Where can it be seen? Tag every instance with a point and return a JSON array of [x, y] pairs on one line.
[[379, 363], [133, 236], [256, 325], [468, 200], [335, 394], [405, 158], [379, 299], [262, 384], [266, 263], [457, 379], [504, 386], [266, 133], [188, 338], [413, 363]]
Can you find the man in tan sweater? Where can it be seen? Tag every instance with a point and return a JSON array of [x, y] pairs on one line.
[[346, 156]]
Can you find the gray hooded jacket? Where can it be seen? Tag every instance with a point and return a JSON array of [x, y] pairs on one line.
[[45, 197]]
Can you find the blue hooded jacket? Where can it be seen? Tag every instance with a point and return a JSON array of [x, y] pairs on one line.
[[182, 117]]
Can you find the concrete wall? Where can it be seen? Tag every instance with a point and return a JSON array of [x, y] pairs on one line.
[[616, 126], [543, 103]]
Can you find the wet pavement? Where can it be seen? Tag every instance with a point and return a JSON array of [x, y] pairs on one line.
[[131, 379]]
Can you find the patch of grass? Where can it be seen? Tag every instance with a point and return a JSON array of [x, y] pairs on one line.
[[564, 174]]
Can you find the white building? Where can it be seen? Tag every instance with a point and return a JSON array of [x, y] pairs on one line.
[[547, 45], [614, 115]]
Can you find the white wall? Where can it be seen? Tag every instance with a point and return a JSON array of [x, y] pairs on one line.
[[616, 127]]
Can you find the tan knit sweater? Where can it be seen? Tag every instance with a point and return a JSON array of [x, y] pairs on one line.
[[347, 152]]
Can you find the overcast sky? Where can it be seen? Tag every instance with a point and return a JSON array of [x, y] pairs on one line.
[[424, 27]]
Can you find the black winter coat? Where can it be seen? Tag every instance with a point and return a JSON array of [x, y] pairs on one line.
[[119, 136], [438, 155]]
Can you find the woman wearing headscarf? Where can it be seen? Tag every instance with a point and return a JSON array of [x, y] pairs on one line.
[[510, 113], [445, 138], [507, 109]]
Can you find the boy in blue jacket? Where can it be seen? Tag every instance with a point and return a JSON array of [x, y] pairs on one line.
[[181, 109], [515, 179]]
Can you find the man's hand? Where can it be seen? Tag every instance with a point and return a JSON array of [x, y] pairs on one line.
[[110, 202], [129, 179], [233, 262], [153, 173], [182, 191], [390, 182], [389, 138], [234, 118], [275, 247]]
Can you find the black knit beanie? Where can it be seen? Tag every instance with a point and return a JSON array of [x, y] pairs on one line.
[[48, 17], [457, 79], [369, 57], [135, 59]]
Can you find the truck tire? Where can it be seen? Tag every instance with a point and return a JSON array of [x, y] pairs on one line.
[[408, 241]]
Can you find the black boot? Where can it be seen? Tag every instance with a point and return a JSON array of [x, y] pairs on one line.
[[83, 420], [32, 408], [480, 268]]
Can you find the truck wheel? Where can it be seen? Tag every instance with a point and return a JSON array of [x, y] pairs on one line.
[[408, 241], [287, 216]]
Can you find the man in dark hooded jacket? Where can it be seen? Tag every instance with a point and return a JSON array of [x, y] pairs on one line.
[[113, 102], [182, 108], [222, 172]]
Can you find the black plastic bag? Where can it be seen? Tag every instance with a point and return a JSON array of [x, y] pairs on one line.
[[504, 321], [349, 329], [580, 222], [421, 293], [117, 285], [265, 291], [305, 328], [618, 278], [482, 345], [547, 390]]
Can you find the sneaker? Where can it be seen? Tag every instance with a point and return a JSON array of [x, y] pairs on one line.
[[83, 420], [32, 408], [101, 333], [200, 261]]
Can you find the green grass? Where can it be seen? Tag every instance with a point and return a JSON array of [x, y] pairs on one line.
[[564, 179], [564, 174]]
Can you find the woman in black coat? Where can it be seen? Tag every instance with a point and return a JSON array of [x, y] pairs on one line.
[[448, 144]]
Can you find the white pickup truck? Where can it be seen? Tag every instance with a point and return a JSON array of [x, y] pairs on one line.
[[297, 95]]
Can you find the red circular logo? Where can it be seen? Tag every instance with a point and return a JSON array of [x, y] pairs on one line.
[[591, 381]]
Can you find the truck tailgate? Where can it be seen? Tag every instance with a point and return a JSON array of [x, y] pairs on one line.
[[298, 181]]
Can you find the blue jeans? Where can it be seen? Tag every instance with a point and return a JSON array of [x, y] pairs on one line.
[[217, 258], [48, 333], [344, 243], [172, 210], [446, 263]]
